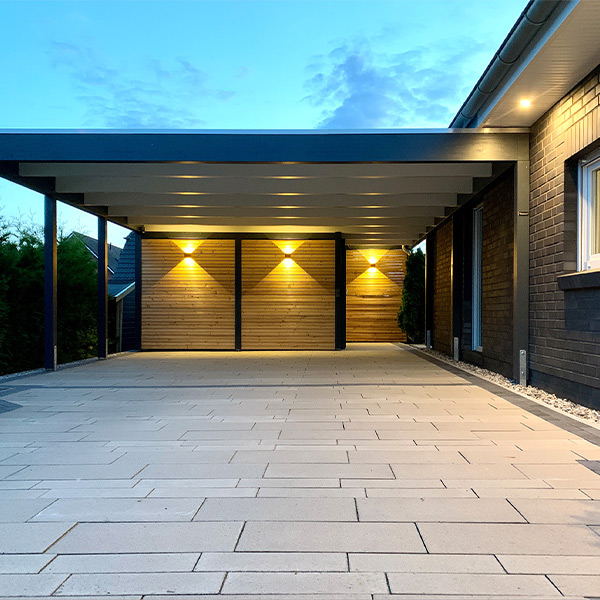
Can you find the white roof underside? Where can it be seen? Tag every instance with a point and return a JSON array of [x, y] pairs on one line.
[[372, 204], [549, 69]]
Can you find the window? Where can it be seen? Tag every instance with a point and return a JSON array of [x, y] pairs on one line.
[[589, 213], [477, 273]]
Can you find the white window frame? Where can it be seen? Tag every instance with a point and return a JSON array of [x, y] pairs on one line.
[[477, 271], [587, 213]]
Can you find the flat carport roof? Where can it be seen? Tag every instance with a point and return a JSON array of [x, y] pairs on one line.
[[378, 188]]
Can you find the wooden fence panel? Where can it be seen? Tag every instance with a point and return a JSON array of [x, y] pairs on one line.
[[374, 295], [188, 302], [288, 303]]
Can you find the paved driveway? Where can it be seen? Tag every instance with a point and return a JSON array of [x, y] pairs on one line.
[[336, 475]]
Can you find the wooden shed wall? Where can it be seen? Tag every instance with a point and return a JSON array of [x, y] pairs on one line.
[[288, 306], [374, 295], [188, 303]]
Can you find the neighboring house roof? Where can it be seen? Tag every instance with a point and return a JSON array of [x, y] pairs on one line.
[[114, 252], [119, 290], [552, 46], [125, 270]]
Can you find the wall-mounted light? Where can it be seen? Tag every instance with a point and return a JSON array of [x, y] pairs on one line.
[[187, 253], [372, 260], [288, 261]]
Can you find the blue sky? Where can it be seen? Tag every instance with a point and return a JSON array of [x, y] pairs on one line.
[[250, 64]]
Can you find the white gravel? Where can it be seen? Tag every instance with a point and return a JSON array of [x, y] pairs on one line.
[[589, 415]]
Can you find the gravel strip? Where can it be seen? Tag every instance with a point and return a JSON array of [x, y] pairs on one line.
[[569, 407]]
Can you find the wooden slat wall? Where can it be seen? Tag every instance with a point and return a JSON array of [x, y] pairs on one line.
[[374, 297], [288, 307], [188, 303]]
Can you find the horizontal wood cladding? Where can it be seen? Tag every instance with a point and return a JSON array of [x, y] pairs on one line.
[[188, 302], [374, 295], [288, 303]]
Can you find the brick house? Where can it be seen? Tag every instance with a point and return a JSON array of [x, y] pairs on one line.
[[545, 77]]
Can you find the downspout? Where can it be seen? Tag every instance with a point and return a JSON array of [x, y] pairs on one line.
[[533, 18]]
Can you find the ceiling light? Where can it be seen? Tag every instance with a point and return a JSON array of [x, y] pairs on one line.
[[525, 103]]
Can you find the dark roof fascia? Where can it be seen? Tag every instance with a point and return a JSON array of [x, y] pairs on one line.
[[433, 145], [538, 19]]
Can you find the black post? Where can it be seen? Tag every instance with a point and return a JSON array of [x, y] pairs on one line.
[[102, 289], [238, 294], [138, 290], [429, 262], [457, 283], [50, 268], [340, 292], [521, 273]]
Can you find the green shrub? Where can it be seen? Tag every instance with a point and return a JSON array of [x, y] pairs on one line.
[[411, 316], [22, 298]]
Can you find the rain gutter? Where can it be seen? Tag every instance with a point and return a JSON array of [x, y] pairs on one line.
[[535, 21]]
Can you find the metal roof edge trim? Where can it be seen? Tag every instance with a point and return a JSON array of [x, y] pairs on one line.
[[538, 21]]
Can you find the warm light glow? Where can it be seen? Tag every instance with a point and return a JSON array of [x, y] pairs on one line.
[[188, 247], [288, 262], [525, 103], [372, 269], [288, 246], [373, 255]]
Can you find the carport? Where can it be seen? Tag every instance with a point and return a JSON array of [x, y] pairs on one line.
[[221, 190]]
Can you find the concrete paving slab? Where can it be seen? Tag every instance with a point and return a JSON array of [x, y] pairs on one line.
[[120, 509], [30, 585], [106, 538], [277, 509], [470, 584], [21, 511], [489, 538], [557, 565], [23, 563], [144, 583], [437, 510], [273, 561], [330, 537], [311, 583], [25, 538], [584, 585], [424, 563], [124, 563], [575, 512]]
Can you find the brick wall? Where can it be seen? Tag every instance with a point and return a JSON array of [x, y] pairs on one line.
[[497, 277], [442, 290], [563, 358]]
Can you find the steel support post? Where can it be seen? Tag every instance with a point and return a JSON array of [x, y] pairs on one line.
[[50, 270], [138, 291], [102, 288], [238, 294], [456, 278], [429, 260], [340, 292], [521, 273]]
